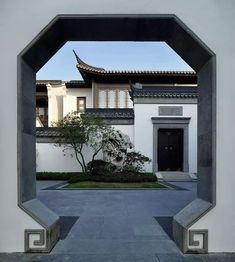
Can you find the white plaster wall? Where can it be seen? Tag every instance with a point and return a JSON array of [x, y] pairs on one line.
[[50, 158], [70, 100], [212, 21], [55, 103], [38, 122], [126, 129], [144, 130], [191, 111]]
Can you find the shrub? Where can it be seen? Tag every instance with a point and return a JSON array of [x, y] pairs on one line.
[[134, 162], [130, 169], [116, 177], [100, 168], [73, 177]]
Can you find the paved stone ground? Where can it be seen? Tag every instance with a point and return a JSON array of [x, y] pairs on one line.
[[116, 225]]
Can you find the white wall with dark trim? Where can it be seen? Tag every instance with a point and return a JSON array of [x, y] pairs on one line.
[[51, 158], [70, 99], [143, 130]]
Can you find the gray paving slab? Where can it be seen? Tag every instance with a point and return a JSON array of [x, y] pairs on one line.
[[76, 258], [116, 225], [19, 257], [116, 247], [216, 257], [178, 258]]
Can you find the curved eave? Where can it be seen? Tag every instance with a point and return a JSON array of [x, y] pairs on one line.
[[83, 64]]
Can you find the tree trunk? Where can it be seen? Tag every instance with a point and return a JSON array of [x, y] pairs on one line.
[[83, 169]]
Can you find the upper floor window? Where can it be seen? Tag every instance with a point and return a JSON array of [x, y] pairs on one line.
[[102, 99], [42, 114], [122, 98], [113, 98], [81, 104]]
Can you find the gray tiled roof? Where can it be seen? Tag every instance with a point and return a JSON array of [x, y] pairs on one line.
[[106, 113], [47, 132], [115, 113], [131, 72], [45, 82], [77, 84], [81, 65], [68, 84], [165, 92]]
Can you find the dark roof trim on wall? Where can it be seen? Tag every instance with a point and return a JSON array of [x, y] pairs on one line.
[[121, 116], [164, 92], [47, 132], [77, 84], [111, 113]]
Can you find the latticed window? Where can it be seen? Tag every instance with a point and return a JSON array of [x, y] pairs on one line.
[[122, 95], [102, 98], [113, 98]]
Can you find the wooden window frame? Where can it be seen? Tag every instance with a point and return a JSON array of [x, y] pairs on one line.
[[80, 98], [107, 88]]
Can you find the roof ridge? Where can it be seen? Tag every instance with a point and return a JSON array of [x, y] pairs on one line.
[[84, 66], [159, 72]]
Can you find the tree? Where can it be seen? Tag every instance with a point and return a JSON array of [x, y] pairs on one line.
[[76, 131]]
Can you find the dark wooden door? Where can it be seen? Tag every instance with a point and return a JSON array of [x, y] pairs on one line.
[[170, 149]]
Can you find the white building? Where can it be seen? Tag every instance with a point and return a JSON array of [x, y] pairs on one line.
[[157, 109]]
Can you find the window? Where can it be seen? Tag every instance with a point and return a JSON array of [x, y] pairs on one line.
[[122, 98], [81, 104], [42, 114], [102, 98], [113, 98]]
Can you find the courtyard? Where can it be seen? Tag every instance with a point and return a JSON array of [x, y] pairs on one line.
[[116, 225]]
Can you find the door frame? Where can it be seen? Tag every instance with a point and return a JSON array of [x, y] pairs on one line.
[[167, 160], [171, 123]]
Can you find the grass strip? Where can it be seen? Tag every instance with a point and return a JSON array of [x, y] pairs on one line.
[[100, 185]]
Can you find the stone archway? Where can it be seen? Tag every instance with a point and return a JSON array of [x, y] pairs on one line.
[[166, 28]]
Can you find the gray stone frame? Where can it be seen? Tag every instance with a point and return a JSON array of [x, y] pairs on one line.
[[171, 123], [126, 27]]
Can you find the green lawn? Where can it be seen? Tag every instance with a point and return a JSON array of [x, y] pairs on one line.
[[92, 184]]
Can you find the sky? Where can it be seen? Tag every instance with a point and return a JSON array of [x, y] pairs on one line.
[[111, 56]]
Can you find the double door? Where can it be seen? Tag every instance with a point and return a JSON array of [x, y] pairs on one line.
[[170, 149]]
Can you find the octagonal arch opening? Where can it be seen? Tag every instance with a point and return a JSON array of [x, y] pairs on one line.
[[166, 28]]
